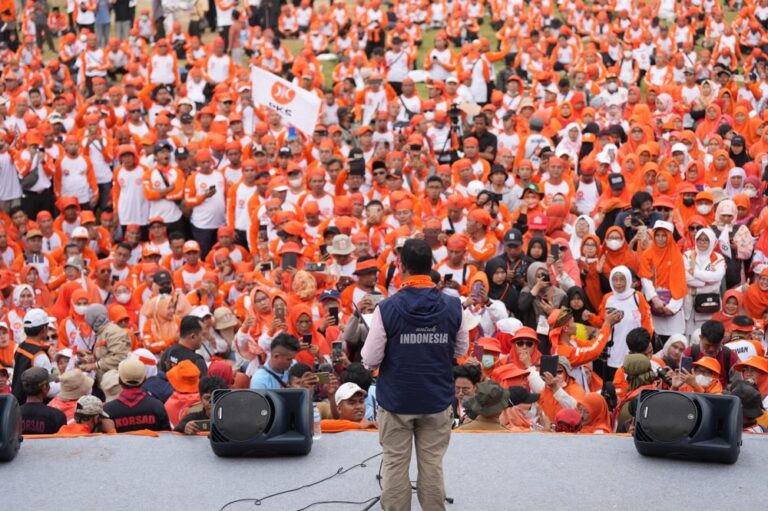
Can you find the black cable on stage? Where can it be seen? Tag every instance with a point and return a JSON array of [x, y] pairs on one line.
[[340, 471]]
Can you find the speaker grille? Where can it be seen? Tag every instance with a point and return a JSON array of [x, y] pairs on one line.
[[241, 416], [667, 417]]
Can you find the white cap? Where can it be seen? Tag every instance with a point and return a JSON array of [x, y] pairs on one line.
[[452, 79], [678, 147], [603, 158], [3, 324], [66, 352], [474, 187], [667, 226], [200, 311], [509, 325], [348, 390], [80, 232], [35, 317]]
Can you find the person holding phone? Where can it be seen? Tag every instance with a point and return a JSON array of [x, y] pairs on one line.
[[204, 193], [415, 387], [195, 422], [313, 344]]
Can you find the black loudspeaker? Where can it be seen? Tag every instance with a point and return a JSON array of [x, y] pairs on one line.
[[257, 423], [688, 426], [10, 427]]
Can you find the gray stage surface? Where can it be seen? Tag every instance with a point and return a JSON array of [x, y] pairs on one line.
[[483, 472]]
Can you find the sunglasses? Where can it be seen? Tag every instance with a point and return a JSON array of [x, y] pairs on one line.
[[527, 344], [53, 337], [693, 228]]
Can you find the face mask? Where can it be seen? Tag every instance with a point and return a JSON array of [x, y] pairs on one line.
[[704, 209], [296, 183], [612, 87], [487, 361], [614, 244], [123, 297], [532, 412], [688, 202], [703, 381], [80, 309], [751, 193]]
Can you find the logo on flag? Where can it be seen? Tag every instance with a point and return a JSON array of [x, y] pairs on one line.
[[297, 107]]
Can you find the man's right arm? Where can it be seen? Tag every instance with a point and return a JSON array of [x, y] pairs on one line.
[[375, 343]]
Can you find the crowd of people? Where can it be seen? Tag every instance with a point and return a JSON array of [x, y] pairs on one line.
[[591, 179]]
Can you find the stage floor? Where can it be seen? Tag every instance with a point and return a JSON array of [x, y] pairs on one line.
[[483, 472]]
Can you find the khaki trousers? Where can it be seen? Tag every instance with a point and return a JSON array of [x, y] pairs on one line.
[[397, 433]]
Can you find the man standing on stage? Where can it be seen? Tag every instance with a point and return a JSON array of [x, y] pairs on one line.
[[414, 337]]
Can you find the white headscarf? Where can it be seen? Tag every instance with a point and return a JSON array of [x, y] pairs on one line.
[[17, 294], [703, 258], [663, 352], [729, 188], [627, 275], [575, 242]]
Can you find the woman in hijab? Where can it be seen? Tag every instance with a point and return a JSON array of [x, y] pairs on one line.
[[30, 275], [635, 313], [738, 151], [717, 171], [499, 288], [756, 296], [616, 252], [640, 376], [705, 269], [583, 312], [673, 349], [584, 225], [752, 187], [708, 126], [122, 290], [564, 270], [313, 344], [23, 299], [488, 309], [735, 183], [596, 418], [161, 329], [570, 141], [537, 250], [732, 305], [735, 241], [73, 330], [538, 299], [662, 273]]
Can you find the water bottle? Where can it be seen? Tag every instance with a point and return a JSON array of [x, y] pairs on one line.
[[316, 433]]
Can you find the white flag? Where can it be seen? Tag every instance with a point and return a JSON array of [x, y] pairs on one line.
[[298, 107]]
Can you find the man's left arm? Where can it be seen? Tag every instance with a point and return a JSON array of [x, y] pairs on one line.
[[375, 343], [462, 340]]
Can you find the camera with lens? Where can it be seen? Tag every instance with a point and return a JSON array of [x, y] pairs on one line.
[[636, 218], [662, 373], [606, 353], [454, 114]]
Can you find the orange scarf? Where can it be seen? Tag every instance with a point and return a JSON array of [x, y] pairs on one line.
[[418, 281]]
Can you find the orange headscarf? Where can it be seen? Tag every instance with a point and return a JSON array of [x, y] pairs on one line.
[[599, 416], [161, 327], [665, 266], [613, 258], [756, 300], [294, 313]]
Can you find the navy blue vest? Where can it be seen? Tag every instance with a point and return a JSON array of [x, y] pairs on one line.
[[416, 376]]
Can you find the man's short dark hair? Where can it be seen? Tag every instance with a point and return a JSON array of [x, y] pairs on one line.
[[432, 179], [210, 383], [416, 257], [640, 198], [468, 371], [357, 373], [298, 370], [176, 235], [376, 202], [712, 331], [638, 340], [286, 341], [125, 246], [190, 325]]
